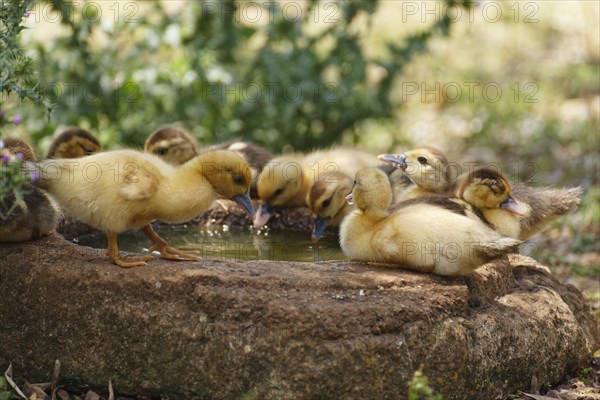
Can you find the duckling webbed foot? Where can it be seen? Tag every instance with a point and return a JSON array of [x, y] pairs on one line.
[[124, 262], [165, 250]]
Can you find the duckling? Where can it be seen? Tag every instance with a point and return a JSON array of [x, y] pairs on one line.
[[126, 189], [173, 145], [286, 180], [418, 235], [256, 156], [426, 167], [399, 181], [74, 143], [490, 193], [36, 215], [326, 200]]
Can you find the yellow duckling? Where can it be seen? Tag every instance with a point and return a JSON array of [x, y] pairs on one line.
[[74, 143], [489, 192], [327, 202], [256, 156], [36, 215], [286, 180], [126, 189], [427, 168], [173, 145], [419, 235], [518, 211]]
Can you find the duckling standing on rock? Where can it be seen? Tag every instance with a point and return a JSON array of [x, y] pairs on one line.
[[173, 145], [125, 189], [420, 234], [287, 180], [427, 168], [36, 215], [74, 143]]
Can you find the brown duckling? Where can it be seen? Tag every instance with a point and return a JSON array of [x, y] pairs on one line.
[[74, 143], [37, 214], [144, 188], [419, 235], [173, 145]]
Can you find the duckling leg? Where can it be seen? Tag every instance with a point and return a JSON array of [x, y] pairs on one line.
[[115, 257], [165, 250]]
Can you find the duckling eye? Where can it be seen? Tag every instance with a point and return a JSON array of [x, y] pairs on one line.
[[161, 151], [88, 152], [278, 192], [422, 160], [238, 179], [326, 203]]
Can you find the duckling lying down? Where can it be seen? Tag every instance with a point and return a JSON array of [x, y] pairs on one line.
[[423, 235], [125, 189]]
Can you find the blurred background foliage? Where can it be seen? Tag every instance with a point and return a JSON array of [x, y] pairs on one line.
[[513, 83]]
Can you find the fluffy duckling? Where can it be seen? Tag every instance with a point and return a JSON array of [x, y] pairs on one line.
[[420, 235], [126, 189], [518, 211], [427, 168], [327, 202], [286, 180], [490, 193], [173, 145], [74, 143], [36, 215], [256, 156]]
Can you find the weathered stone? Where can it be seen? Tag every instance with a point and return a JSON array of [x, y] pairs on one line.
[[224, 328]]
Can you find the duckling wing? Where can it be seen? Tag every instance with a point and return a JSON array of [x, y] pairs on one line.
[[139, 184]]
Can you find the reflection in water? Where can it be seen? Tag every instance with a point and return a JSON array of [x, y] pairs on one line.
[[243, 243]]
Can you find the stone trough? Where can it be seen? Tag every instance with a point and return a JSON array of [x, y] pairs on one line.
[[225, 329]]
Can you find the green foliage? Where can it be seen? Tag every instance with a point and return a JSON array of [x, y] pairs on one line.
[[16, 69], [5, 393], [419, 389], [296, 75]]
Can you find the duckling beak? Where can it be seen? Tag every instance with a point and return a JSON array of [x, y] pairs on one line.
[[245, 202], [397, 160], [319, 227], [513, 206], [350, 199], [262, 216]]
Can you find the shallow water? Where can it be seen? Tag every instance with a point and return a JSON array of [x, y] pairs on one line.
[[242, 243]]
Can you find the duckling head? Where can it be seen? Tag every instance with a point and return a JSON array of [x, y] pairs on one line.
[[229, 175], [74, 143], [173, 145], [278, 183], [372, 192], [326, 200], [426, 167], [486, 188], [12, 147]]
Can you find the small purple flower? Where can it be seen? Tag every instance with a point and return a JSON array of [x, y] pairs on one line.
[[2, 113], [34, 176], [27, 14], [5, 159], [17, 119], [19, 156]]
